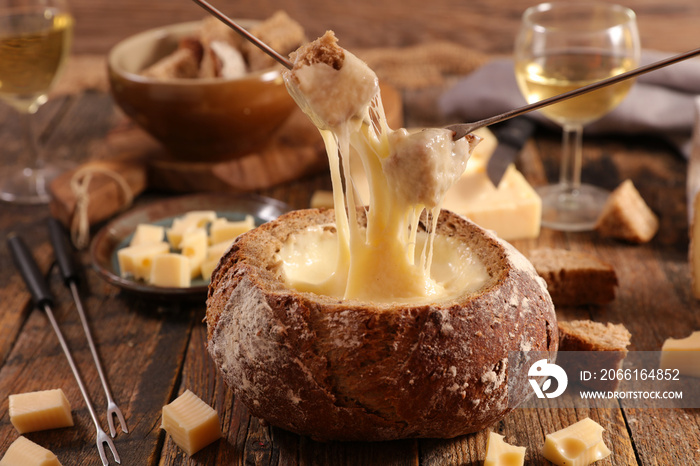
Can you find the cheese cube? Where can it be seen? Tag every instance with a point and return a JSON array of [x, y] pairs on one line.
[[24, 452], [47, 409], [172, 270], [682, 354], [580, 444], [137, 260], [224, 230], [499, 453], [189, 221], [214, 253], [194, 246], [146, 233], [191, 423]]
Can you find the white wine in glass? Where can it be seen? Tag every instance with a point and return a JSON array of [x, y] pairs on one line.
[[561, 47], [35, 37]]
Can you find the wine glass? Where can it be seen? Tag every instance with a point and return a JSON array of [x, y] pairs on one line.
[[560, 47], [35, 36]]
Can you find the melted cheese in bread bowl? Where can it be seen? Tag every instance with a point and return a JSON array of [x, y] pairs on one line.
[[408, 175]]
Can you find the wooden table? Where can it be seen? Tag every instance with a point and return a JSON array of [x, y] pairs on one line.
[[153, 350]]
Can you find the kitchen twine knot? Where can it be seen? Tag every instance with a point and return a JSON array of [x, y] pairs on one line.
[[80, 184]]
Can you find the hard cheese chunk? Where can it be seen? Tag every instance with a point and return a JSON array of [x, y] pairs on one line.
[[682, 354], [225, 230], [47, 409], [214, 253], [191, 423], [146, 233], [499, 453], [194, 246], [189, 221], [24, 452], [512, 210], [137, 260], [171, 270], [580, 444]]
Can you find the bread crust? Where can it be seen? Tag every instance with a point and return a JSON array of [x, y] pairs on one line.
[[343, 370]]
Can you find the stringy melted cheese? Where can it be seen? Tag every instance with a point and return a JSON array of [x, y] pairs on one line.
[[408, 173]]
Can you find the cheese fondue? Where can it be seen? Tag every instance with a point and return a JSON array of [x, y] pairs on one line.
[[391, 259]]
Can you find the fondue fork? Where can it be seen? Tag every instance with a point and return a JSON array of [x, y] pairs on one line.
[[41, 295], [462, 129], [70, 274]]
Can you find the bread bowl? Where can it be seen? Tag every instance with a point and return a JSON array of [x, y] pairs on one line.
[[336, 369]]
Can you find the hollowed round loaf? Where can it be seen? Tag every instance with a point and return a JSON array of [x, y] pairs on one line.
[[347, 370]]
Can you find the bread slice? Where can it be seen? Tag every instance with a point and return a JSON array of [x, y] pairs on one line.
[[608, 341], [626, 216], [336, 369], [587, 335], [280, 32], [575, 278]]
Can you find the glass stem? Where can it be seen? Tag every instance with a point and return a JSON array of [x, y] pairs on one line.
[[34, 160], [570, 171]]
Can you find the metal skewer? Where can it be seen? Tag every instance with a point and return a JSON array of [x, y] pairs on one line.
[[69, 272], [241, 30], [43, 300], [462, 129]]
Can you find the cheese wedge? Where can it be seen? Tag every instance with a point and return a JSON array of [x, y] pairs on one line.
[[682, 354], [191, 423], [137, 260], [580, 444], [42, 410], [24, 452], [499, 453]]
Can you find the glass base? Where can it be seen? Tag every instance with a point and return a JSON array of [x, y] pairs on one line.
[[565, 209], [28, 185]]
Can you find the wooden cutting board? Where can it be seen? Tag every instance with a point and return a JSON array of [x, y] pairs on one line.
[[140, 162]]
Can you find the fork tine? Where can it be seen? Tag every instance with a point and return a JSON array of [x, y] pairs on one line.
[[113, 410], [103, 438]]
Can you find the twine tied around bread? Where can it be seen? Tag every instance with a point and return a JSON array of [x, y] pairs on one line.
[[80, 186]]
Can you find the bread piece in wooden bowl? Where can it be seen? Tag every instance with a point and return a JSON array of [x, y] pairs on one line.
[[336, 369]]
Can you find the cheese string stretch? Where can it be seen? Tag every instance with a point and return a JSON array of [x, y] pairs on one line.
[[80, 186]]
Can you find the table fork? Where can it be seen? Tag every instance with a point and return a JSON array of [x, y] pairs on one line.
[[43, 299], [70, 274]]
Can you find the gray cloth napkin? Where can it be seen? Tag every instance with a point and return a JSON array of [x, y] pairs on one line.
[[660, 102]]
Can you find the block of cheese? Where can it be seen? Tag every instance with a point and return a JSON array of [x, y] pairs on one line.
[[500, 453], [146, 233], [191, 220], [24, 452], [171, 270], [512, 210], [214, 253], [46, 409], [191, 423], [682, 354], [580, 444], [194, 246], [137, 260], [222, 229]]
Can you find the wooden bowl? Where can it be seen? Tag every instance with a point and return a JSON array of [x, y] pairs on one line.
[[196, 119]]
